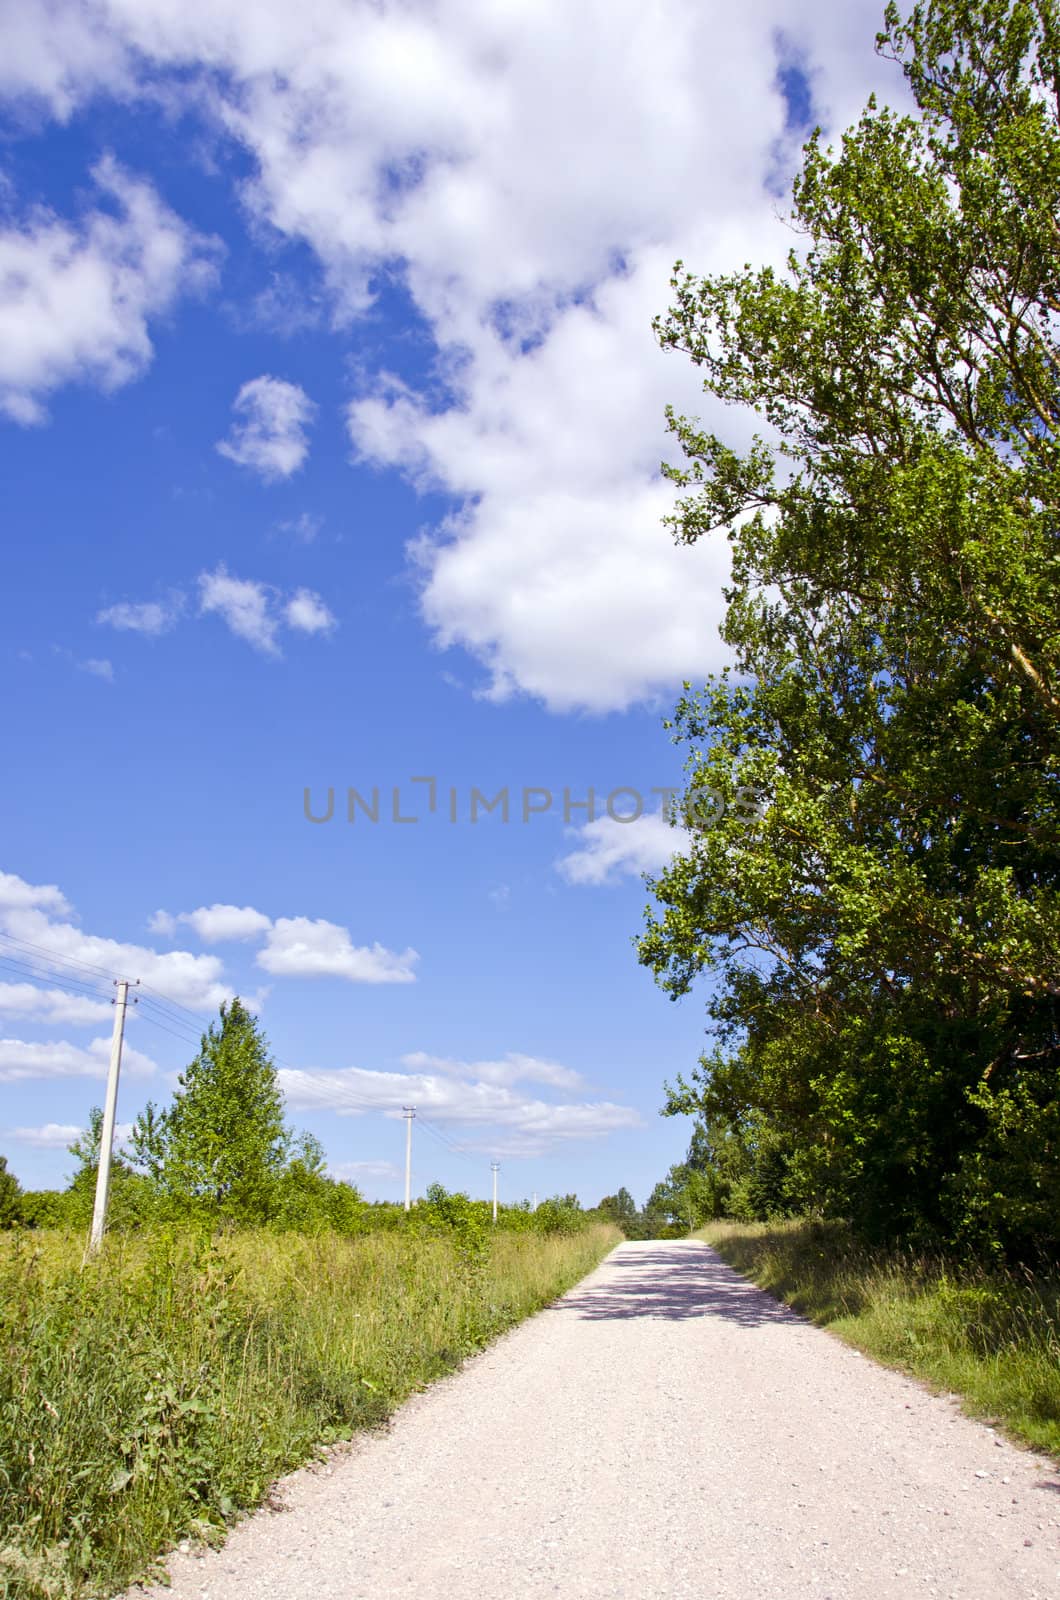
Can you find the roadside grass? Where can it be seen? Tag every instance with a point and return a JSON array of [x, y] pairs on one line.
[[157, 1393], [990, 1336]]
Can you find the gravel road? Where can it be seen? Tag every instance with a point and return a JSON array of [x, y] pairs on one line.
[[664, 1430]]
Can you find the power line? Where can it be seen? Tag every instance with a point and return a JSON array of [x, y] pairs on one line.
[[176, 1004], [172, 1016], [55, 958], [456, 1149], [185, 1038], [60, 980]]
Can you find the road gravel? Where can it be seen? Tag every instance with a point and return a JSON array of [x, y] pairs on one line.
[[664, 1430]]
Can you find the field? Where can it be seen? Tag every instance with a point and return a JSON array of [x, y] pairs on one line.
[[156, 1394], [991, 1336]]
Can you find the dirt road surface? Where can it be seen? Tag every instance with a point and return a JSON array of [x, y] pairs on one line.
[[665, 1430]]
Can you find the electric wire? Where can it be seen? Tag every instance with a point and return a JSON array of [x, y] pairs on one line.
[[72, 986], [158, 1009], [171, 1016], [54, 957], [456, 1149], [155, 1023]]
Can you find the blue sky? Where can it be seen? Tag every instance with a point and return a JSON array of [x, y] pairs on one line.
[[330, 423]]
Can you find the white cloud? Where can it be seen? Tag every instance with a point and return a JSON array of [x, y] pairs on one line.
[[269, 434], [150, 617], [27, 916], [20, 1060], [217, 923], [531, 1125], [434, 144], [52, 1136], [51, 1005], [60, 1135], [303, 528], [512, 1068], [98, 669], [18, 895], [299, 947], [243, 604], [256, 611], [162, 924], [306, 612], [365, 1171], [609, 850], [75, 299]]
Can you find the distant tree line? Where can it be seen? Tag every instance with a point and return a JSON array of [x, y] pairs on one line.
[[221, 1155]]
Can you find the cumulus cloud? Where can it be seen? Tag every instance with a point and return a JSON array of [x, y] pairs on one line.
[[214, 924], [512, 1068], [21, 1060], [36, 918], [149, 617], [51, 1005], [531, 1124], [256, 611], [609, 850], [60, 1135], [269, 434], [434, 144], [307, 613], [300, 947], [243, 605], [76, 298], [365, 1171], [52, 1136], [18, 895]]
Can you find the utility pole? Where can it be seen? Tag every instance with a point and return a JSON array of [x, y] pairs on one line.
[[408, 1112], [533, 1203], [495, 1167], [106, 1138]]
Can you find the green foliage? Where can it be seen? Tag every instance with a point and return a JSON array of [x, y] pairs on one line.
[[10, 1197], [132, 1197], [465, 1221], [990, 1335], [561, 1215], [309, 1201], [43, 1208], [160, 1391], [222, 1145], [620, 1208], [882, 928]]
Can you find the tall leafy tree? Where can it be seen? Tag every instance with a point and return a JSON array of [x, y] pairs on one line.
[[222, 1145], [620, 1208], [10, 1196], [884, 939]]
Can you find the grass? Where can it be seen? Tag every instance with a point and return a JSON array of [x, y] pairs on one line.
[[158, 1393], [990, 1336]]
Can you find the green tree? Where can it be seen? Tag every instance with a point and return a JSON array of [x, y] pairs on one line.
[[222, 1145], [880, 902], [131, 1197], [308, 1200], [621, 1209], [43, 1208], [10, 1193]]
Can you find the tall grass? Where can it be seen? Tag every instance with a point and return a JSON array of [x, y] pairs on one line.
[[158, 1392], [990, 1336]]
